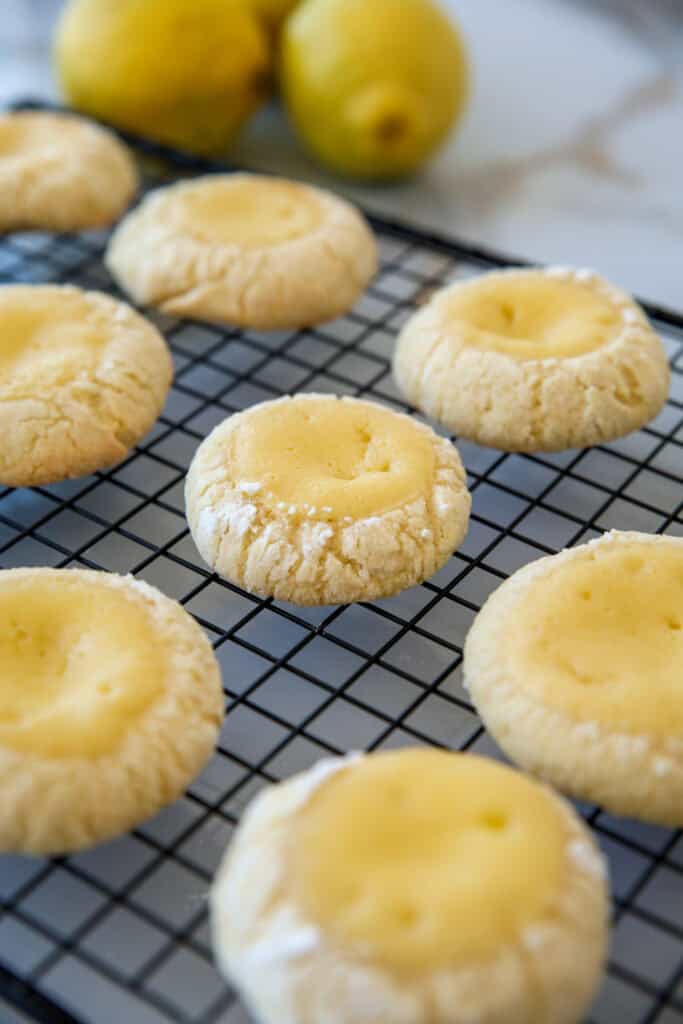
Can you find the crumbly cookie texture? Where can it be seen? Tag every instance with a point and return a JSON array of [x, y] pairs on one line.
[[575, 665], [59, 172], [346, 895], [82, 378], [243, 249], [277, 507], [534, 360], [110, 704]]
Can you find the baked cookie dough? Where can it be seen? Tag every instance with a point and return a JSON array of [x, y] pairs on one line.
[[110, 704], [412, 887], [323, 500], [59, 172], [533, 360], [242, 249], [576, 666], [82, 378]]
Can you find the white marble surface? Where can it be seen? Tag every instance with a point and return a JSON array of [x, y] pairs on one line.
[[572, 149]]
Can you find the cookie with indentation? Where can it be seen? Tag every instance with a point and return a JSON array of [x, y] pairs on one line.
[[59, 172], [110, 704], [576, 666], [323, 500], [243, 249], [412, 887], [82, 378], [533, 360]]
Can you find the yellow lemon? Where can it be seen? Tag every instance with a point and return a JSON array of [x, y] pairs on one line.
[[186, 73], [373, 86], [272, 13]]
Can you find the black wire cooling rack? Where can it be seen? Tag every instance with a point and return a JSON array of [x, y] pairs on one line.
[[119, 934]]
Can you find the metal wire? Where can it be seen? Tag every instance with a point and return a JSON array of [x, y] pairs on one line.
[[120, 933]]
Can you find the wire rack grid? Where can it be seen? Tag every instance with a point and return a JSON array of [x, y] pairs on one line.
[[120, 932]]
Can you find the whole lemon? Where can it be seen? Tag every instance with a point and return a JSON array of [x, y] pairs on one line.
[[185, 72], [373, 86]]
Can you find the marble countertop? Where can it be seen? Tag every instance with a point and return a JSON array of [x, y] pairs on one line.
[[571, 151]]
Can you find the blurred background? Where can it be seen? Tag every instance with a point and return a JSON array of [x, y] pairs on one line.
[[570, 151]]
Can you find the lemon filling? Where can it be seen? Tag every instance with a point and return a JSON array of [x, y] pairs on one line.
[[248, 213], [425, 859], [47, 332], [80, 662], [534, 316], [605, 640], [336, 458], [13, 137]]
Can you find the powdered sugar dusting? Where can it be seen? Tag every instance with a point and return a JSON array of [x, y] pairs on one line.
[[249, 487], [285, 945], [311, 780], [535, 937], [662, 766], [236, 517], [587, 731], [587, 858], [207, 525], [121, 313], [315, 537]]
